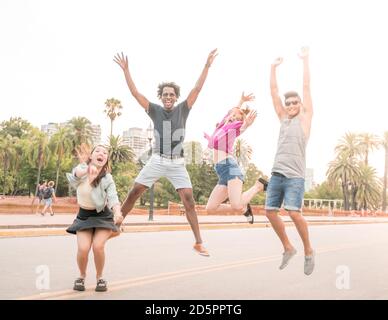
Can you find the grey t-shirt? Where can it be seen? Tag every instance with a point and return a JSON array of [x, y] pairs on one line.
[[169, 128], [290, 159]]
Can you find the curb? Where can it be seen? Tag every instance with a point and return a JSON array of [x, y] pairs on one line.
[[60, 231]]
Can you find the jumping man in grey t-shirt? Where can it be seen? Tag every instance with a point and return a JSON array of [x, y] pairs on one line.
[[286, 185], [169, 131]]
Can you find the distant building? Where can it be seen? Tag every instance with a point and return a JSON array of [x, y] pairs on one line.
[[136, 138], [96, 134], [309, 179], [50, 129]]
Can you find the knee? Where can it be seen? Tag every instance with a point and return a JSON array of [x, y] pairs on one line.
[[83, 250], [237, 206], [295, 216], [98, 246], [270, 214], [211, 207], [136, 191], [189, 203]]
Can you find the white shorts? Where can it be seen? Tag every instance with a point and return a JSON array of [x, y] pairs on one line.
[[172, 169]]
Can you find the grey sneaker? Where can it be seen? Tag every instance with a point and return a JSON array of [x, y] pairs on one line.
[[309, 263], [287, 255]]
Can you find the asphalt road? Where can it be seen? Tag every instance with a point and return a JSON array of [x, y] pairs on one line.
[[351, 263]]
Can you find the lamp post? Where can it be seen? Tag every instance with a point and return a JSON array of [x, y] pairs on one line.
[[150, 134]]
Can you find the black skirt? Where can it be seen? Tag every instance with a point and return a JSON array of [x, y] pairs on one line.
[[90, 219]]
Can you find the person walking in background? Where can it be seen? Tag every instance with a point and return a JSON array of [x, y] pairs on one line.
[[169, 132], [38, 196], [288, 172], [230, 176], [48, 195], [95, 222]]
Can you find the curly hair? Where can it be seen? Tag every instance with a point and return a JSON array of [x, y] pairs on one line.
[[173, 85]]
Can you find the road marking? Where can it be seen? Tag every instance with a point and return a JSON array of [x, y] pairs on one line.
[[144, 280]]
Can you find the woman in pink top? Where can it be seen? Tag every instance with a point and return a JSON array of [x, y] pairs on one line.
[[230, 176]]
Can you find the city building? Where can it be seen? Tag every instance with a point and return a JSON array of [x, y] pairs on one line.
[[136, 138], [309, 180]]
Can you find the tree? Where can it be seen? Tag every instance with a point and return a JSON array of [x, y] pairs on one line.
[[119, 152], [369, 190], [39, 152], [384, 143], [368, 142], [349, 145], [112, 107], [80, 131], [344, 170], [16, 127], [7, 155], [243, 152], [61, 144], [193, 152]]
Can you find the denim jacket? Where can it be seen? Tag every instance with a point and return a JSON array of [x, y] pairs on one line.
[[104, 193]]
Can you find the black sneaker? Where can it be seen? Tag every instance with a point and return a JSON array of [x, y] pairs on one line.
[[79, 284], [102, 285], [248, 214]]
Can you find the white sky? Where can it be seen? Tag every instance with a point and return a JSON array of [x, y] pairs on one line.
[[56, 63]]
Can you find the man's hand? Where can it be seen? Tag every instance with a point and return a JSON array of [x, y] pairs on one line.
[[304, 52], [121, 60], [277, 62], [118, 219], [211, 57]]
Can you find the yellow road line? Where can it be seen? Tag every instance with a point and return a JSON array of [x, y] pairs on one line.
[[139, 281]]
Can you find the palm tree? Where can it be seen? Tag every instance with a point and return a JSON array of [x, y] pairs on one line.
[[60, 144], [243, 152], [368, 142], [7, 155], [193, 152], [119, 152], [369, 193], [344, 170], [38, 152], [81, 131], [112, 107], [349, 145], [384, 143]]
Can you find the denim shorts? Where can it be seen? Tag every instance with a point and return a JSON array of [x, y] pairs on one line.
[[48, 202], [289, 191], [226, 170]]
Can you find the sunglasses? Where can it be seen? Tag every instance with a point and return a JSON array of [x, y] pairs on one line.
[[288, 103]]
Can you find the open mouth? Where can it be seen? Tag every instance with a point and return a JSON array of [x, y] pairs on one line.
[[100, 160]]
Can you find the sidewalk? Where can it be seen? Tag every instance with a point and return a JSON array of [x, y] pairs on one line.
[[22, 225]]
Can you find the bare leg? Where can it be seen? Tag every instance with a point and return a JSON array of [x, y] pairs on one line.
[[301, 226], [279, 227], [186, 195], [132, 196], [238, 201], [84, 241], [99, 239]]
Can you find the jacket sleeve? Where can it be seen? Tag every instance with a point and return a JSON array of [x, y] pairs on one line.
[[74, 181], [111, 192]]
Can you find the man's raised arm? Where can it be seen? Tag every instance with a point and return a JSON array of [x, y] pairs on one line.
[[122, 61], [276, 100], [193, 95], [307, 101]]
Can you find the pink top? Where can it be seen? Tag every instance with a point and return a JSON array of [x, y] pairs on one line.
[[224, 135]]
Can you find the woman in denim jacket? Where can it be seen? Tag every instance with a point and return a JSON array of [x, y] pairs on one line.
[[95, 222]]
